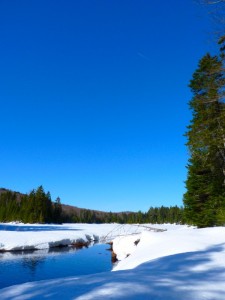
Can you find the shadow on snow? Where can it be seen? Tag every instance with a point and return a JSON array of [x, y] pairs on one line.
[[185, 276]]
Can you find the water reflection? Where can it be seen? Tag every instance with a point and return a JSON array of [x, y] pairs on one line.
[[28, 254], [23, 266], [32, 259], [32, 263], [15, 227]]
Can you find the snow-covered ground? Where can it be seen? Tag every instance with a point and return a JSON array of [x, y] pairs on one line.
[[180, 263], [37, 236]]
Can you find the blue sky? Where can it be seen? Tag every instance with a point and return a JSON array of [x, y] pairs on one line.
[[94, 98]]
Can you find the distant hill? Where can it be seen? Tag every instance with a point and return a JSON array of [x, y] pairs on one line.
[[18, 194]]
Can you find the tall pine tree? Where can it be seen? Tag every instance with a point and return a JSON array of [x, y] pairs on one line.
[[204, 201]]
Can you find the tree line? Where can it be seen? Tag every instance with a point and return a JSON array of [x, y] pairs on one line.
[[37, 207], [155, 215]]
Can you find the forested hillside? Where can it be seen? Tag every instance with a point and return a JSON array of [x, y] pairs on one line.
[[37, 207]]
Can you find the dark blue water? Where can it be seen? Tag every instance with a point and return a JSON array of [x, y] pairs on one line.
[[35, 228], [24, 266], [21, 267]]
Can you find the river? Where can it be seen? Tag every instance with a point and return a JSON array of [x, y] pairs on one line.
[[23, 266]]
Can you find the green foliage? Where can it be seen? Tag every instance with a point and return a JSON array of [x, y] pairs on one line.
[[204, 201], [160, 215], [36, 207]]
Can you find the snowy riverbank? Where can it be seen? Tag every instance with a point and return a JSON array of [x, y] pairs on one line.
[[15, 237], [180, 263]]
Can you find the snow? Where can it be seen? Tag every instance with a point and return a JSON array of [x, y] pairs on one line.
[[155, 245], [36, 236], [180, 263]]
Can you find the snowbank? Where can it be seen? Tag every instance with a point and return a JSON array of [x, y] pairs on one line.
[[155, 245], [36, 236]]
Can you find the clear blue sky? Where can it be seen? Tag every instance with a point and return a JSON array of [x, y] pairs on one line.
[[93, 98]]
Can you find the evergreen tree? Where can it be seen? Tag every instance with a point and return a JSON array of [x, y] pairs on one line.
[[205, 196], [57, 211]]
